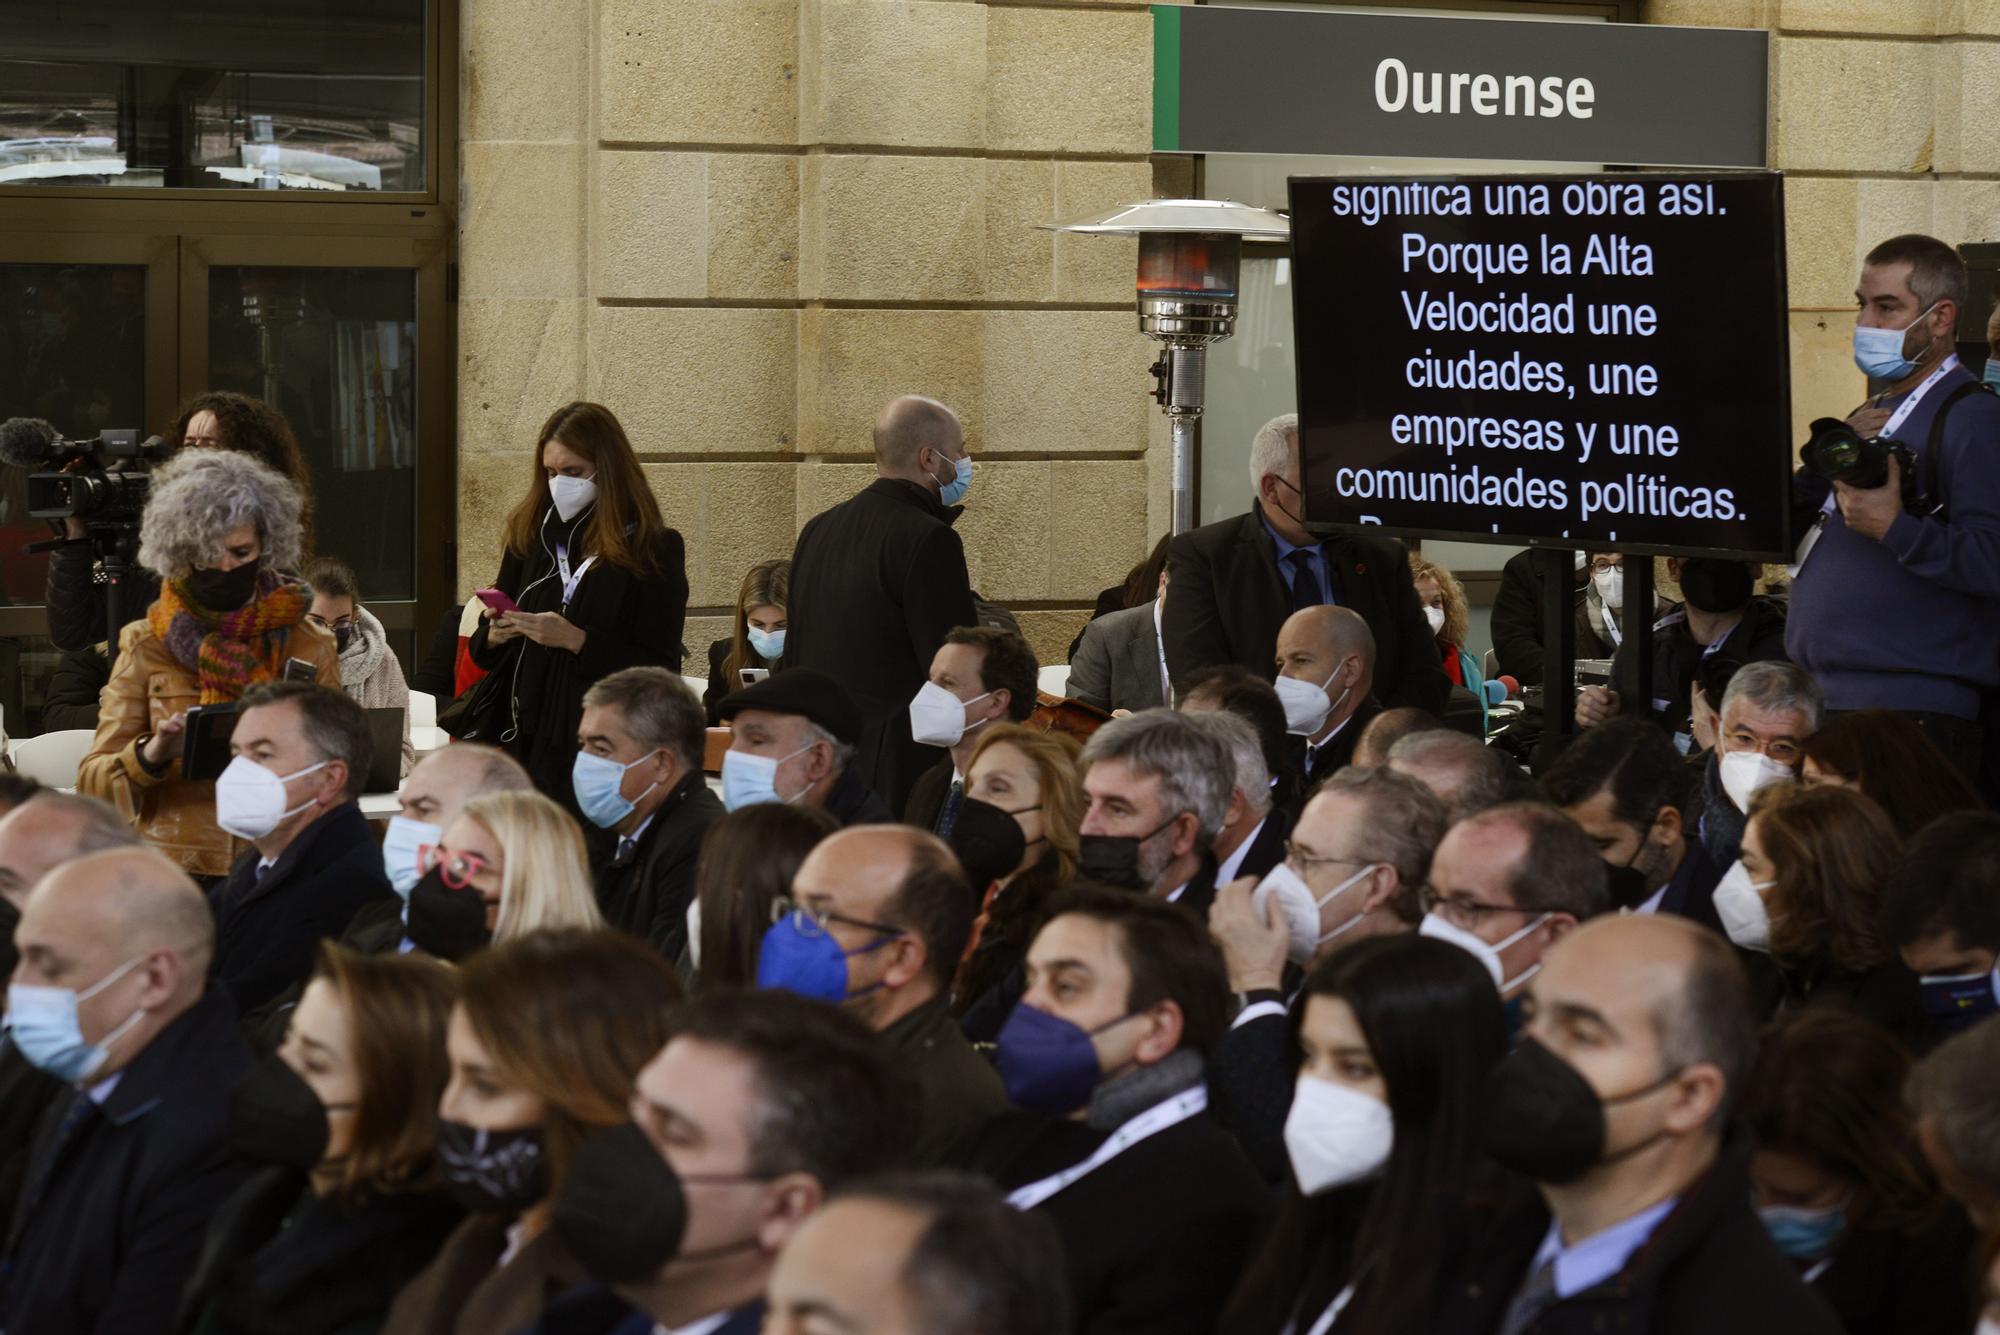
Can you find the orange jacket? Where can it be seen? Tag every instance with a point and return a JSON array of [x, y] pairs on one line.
[[147, 687]]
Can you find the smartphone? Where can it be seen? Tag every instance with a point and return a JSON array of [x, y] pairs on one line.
[[497, 599], [205, 740], [751, 676]]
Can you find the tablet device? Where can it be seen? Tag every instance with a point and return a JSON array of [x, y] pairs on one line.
[[385, 751], [205, 743]]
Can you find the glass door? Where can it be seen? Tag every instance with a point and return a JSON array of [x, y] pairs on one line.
[[348, 337]]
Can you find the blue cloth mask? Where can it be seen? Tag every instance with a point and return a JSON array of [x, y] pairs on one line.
[[748, 779], [1958, 1001], [1802, 1234], [43, 1024], [1879, 352], [769, 644], [600, 788], [952, 492], [803, 957], [402, 845], [1992, 373], [1047, 1064]]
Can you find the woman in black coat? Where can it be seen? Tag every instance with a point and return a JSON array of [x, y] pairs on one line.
[[347, 1207], [599, 582]]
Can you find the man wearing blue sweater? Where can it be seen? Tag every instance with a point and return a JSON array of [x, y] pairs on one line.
[[1892, 610]]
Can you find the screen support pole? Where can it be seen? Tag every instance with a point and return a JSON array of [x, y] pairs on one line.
[[1557, 567], [1634, 679]]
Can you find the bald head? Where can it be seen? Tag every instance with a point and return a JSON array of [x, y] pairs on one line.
[[1664, 973], [1339, 632], [49, 829], [130, 935], [901, 879], [439, 785], [912, 433]]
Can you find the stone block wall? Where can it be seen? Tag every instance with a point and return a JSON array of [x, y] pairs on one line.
[[1882, 114], [747, 224]]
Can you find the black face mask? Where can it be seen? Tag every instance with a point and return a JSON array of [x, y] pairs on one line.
[[1113, 859], [492, 1172], [447, 923], [1714, 586], [988, 841], [222, 590], [342, 637], [623, 1211], [274, 1116], [1545, 1122], [1627, 885]]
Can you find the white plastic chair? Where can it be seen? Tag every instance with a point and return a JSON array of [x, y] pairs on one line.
[[699, 685], [52, 758], [1053, 679], [423, 710]]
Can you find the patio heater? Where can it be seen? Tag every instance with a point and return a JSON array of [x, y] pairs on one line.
[[1190, 254]]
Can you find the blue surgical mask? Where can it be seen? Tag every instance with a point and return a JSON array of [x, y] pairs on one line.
[[1992, 373], [748, 780], [1958, 1001], [1804, 1235], [402, 845], [1048, 1064], [1879, 352], [769, 644], [600, 788], [807, 960], [952, 492], [43, 1024]]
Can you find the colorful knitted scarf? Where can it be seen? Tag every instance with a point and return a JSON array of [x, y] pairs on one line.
[[229, 652]]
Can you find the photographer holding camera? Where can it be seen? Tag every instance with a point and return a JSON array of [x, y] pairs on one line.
[[217, 420], [1896, 603]]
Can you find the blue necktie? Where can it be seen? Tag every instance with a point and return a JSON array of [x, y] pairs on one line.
[[1306, 590], [948, 816]]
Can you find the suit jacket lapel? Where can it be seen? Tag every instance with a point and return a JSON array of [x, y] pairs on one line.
[[1142, 653]]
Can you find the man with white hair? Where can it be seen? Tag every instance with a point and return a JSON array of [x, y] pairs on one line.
[[1768, 711], [1232, 584]]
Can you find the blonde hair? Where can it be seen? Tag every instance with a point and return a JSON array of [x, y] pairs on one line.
[[1054, 756], [545, 882], [1451, 593]]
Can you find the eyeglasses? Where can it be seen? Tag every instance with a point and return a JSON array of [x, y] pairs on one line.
[[1605, 563], [1305, 862], [813, 922], [456, 870], [1464, 910], [344, 623]]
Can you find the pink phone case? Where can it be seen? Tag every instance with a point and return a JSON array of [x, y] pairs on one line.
[[496, 599]]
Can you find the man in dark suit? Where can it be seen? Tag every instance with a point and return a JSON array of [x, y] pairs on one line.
[[981, 675], [1629, 789], [1326, 681], [1637, 1212], [307, 875], [1235, 581], [1362, 848], [899, 907], [1252, 838], [1156, 1231], [639, 781], [130, 1162], [36, 837], [1118, 663], [1158, 791], [877, 582], [762, 1102]]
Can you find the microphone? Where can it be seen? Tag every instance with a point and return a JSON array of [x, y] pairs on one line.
[[1501, 688], [27, 442]]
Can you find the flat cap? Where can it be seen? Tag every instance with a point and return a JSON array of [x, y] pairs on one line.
[[799, 690]]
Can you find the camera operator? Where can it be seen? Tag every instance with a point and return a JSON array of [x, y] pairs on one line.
[[1892, 608], [217, 420]]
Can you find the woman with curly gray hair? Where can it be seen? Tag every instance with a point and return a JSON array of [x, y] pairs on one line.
[[220, 530]]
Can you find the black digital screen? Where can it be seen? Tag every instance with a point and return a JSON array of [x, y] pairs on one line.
[[1578, 361]]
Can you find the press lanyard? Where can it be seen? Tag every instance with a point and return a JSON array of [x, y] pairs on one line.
[[1332, 1312], [1896, 419], [570, 581], [1148, 1123]]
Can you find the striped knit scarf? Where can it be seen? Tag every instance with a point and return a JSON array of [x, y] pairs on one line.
[[228, 652]]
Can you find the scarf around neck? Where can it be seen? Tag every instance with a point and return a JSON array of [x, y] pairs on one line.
[[228, 652]]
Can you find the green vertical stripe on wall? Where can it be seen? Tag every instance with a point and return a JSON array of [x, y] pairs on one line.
[[1166, 78]]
